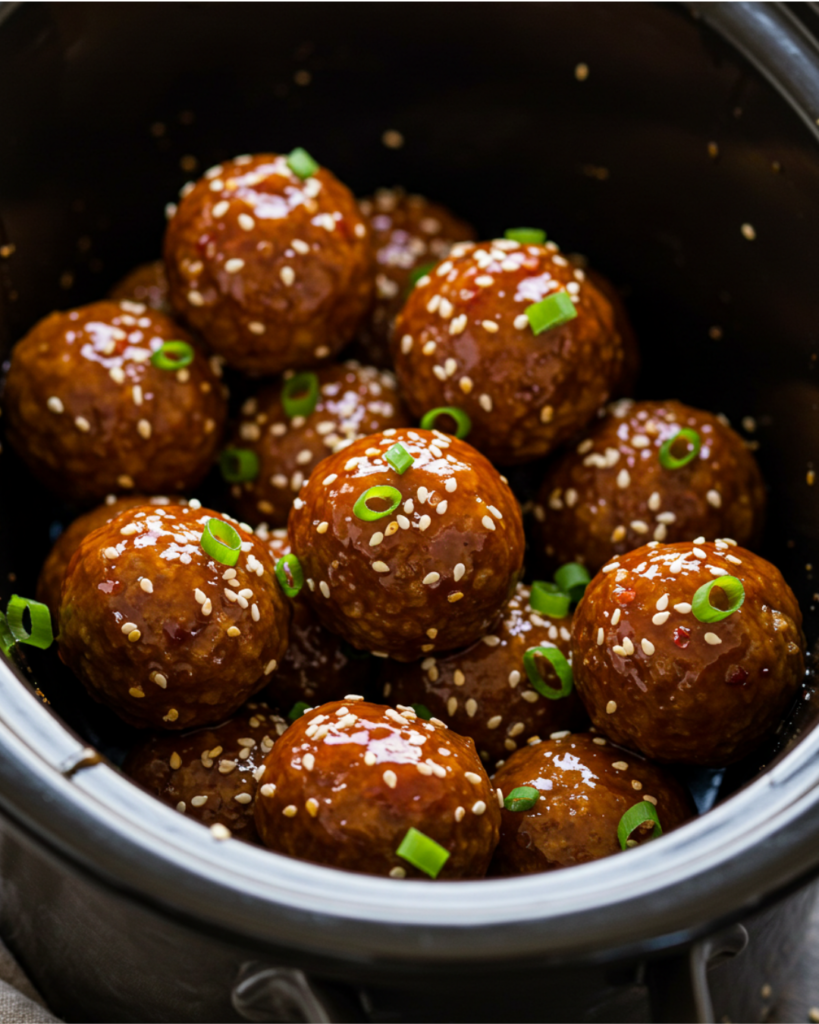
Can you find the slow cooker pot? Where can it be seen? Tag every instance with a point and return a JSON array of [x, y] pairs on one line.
[[686, 165]]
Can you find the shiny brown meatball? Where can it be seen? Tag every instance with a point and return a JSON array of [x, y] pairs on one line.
[[273, 271], [432, 575], [91, 414], [210, 774], [484, 691], [407, 232], [353, 401], [611, 493], [463, 339], [163, 633], [586, 786], [146, 283], [348, 780], [657, 679]]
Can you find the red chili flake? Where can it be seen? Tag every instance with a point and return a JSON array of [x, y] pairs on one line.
[[625, 596], [682, 636], [736, 676]]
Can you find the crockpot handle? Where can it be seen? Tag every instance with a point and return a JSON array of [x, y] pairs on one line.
[[284, 994]]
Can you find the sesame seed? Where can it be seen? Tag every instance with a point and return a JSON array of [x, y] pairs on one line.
[[521, 322], [616, 616], [611, 707], [287, 275], [55, 405], [547, 414], [424, 522], [198, 801], [207, 607], [195, 298], [424, 769], [146, 585], [430, 578], [324, 588], [82, 424], [220, 831], [490, 326], [748, 232], [714, 498], [233, 630], [117, 374], [485, 403], [268, 789], [478, 807], [621, 766], [712, 638], [471, 707], [220, 209], [406, 343], [610, 567], [623, 478], [381, 567], [137, 691], [441, 507], [647, 645], [110, 552], [290, 811], [256, 327], [487, 522], [459, 813], [494, 722], [600, 636], [246, 222], [134, 635], [234, 266]]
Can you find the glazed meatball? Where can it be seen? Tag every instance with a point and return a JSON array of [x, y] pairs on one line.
[[464, 339], [147, 283], [210, 774], [408, 232], [352, 401], [657, 676], [91, 414], [621, 486], [347, 781], [484, 691], [162, 632], [274, 270], [428, 568], [586, 785]]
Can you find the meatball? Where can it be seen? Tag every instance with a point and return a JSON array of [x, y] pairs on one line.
[[622, 485], [272, 268], [352, 401], [146, 283], [164, 633], [408, 233], [585, 786], [464, 338], [91, 414], [348, 780], [392, 579], [658, 674], [484, 691], [210, 774]]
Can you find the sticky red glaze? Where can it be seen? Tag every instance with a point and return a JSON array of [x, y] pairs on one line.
[[91, 415], [365, 580], [146, 283], [677, 699], [611, 494], [303, 281], [320, 800], [583, 796], [196, 654], [630, 369]]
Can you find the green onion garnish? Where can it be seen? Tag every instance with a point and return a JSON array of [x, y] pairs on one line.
[[702, 608], [238, 465], [41, 635], [573, 578], [422, 711], [173, 356], [549, 599], [552, 311], [399, 458], [523, 798], [634, 817], [296, 573], [526, 236], [300, 394], [423, 853], [298, 710], [562, 668], [363, 511], [300, 162], [420, 272], [670, 461], [6, 639], [221, 541], [463, 424]]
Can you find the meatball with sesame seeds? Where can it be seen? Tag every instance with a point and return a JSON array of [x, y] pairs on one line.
[[410, 541], [581, 786], [629, 481], [517, 338], [349, 780], [289, 438], [485, 691], [147, 283], [164, 633], [688, 652], [269, 259], [100, 401]]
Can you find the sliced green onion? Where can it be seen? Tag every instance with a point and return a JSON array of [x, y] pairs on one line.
[[173, 356], [221, 541], [296, 573], [562, 668], [6, 639], [634, 817], [463, 424], [363, 511], [41, 635], [526, 236], [523, 798], [549, 599], [300, 394], [552, 311], [298, 710], [300, 162], [573, 578], [399, 458], [422, 711], [423, 853], [670, 461], [702, 608], [238, 465], [420, 272]]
